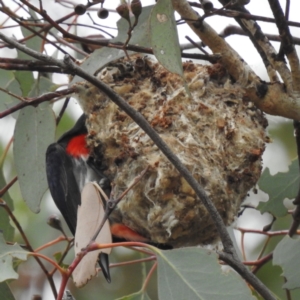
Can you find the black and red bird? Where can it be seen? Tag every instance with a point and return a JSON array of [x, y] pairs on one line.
[[69, 167]]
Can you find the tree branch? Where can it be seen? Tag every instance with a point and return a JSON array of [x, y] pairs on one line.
[[237, 14], [287, 42], [260, 40], [254, 39], [230, 58], [247, 275], [231, 29], [270, 98], [230, 256], [35, 101]]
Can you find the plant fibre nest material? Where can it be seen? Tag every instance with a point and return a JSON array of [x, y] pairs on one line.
[[218, 135]]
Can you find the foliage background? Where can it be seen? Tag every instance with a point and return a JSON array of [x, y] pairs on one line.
[[277, 157]]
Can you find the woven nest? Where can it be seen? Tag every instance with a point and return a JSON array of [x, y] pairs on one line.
[[216, 134]]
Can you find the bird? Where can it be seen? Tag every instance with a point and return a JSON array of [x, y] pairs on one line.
[[69, 167]]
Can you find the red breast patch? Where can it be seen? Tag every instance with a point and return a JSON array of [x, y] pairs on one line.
[[124, 232], [77, 146]]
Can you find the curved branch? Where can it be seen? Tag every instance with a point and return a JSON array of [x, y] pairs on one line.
[[230, 58], [248, 276], [231, 29], [37, 100], [261, 40], [254, 38], [287, 42], [230, 256], [270, 98]]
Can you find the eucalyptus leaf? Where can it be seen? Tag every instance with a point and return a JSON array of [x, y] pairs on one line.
[[101, 57], [34, 131], [287, 256], [5, 78], [41, 85], [5, 291], [25, 80], [195, 273], [280, 186], [164, 36], [34, 42], [5, 226], [7, 254]]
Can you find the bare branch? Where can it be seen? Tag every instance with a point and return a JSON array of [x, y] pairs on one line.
[[231, 29], [267, 51], [271, 98], [248, 276], [230, 58], [287, 42], [238, 14], [37, 100]]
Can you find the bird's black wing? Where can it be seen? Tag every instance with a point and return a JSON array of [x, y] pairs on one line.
[[62, 183]]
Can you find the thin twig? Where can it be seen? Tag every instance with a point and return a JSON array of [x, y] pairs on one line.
[[231, 29], [112, 202], [37, 100], [146, 282], [259, 263], [268, 233], [287, 44], [3, 156], [66, 251], [8, 186], [238, 14], [135, 261], [287, 291], [265, 49], [50, 244], [64, 107], [28, 245]]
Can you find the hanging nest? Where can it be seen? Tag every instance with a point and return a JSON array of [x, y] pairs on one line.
[[218, 135]]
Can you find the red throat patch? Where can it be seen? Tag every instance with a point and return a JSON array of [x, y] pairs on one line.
[[77, 146]]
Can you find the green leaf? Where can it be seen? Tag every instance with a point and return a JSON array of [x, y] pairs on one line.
[[278, 187], [287, 256], [101, 57], [5, 226], [57, 256], [7, 253], [25, 80], [5, 78], [194, 273], [5, 292], [164, 36], [34, 131], [14, 87], [35, 42], [40, 86], [141, 295]]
